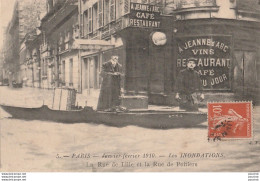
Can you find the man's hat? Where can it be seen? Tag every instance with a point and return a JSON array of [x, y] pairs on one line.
[[192, 59]]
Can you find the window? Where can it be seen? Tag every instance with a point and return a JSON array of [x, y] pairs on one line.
[[63, 71], [119, 8], [95, 17], [90, 20], [44, 73], [100, 13], [49, 5], [45, 67], [71, 72], [85, 23], [112, 11], [43, 38], [106, 12]]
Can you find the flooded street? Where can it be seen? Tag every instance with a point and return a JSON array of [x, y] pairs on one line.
[[39, 146]]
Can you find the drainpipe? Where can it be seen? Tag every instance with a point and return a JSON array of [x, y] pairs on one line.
[[80, 71]]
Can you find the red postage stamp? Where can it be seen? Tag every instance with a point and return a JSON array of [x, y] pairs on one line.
[[230, 120]]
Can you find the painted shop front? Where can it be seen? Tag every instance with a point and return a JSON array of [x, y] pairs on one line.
[[213, 54], [148, 46], [158, 47], [227, 53]]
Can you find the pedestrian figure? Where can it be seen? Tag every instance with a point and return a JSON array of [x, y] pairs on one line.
[[109, 98], [189, 87]]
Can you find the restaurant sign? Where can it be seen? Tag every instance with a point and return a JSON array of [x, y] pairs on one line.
[[144, 16], [213, 59]]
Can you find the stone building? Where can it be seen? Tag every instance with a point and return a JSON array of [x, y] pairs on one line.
[[153, 39], [25, 19], [229, 62], [59, 65], [157, 37]]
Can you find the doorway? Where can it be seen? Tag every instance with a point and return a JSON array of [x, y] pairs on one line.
[[245, 70], [90, 73]]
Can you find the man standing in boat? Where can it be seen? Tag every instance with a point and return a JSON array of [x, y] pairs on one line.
[[189, 87], [109, 98]]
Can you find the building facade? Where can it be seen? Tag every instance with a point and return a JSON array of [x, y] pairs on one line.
[[159, 36], [30, 66], [59, 61], [25, 19], [62, 47], [228, 62], [153, 39]]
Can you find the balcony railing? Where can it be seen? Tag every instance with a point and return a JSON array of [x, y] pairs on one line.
[[194, 3]]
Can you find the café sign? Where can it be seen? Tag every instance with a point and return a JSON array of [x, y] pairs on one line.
[[144, 15], [213, 59]]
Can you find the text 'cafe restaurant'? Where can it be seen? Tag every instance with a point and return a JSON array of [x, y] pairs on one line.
[[158, 47]]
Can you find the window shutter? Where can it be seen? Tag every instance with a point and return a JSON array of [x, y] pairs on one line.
[[100, 13], [90, 20], [126, 6], [86, 23], [112, 11]]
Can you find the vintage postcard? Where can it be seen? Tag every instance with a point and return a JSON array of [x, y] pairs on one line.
[[130, 86]]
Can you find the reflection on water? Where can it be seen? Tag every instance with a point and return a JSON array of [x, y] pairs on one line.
[[34, 145]]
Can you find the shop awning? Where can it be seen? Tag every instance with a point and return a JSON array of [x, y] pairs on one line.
[[91, 45]]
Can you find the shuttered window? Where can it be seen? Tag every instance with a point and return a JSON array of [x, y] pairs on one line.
[[119, 9], [71, 72], [100, 13], [112, 11], [106, 12], [86, 21], [126, 6], [95, 16], [90, 28]]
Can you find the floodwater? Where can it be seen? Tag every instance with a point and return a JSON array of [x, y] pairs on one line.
[[38, 146]]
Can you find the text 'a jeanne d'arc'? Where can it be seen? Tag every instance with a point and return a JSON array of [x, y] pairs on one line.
[[203, 42], [144, 7]]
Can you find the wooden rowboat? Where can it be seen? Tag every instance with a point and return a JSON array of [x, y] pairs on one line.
[[142, 118]]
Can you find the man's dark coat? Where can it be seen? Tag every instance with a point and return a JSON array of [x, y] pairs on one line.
[[188, 84], [110, 89]]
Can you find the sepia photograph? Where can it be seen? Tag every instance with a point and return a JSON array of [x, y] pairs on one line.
[[129, 86]]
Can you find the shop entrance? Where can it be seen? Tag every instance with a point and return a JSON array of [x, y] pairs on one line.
[[245, 70]]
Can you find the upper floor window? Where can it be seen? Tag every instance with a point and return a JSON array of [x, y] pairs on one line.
[[95, 17], [112, 11], [85, 23], [90, 27], [100, 13], [106, 12], [119, 8]]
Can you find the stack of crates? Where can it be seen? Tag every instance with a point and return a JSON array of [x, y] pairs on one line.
[[64, 99]]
